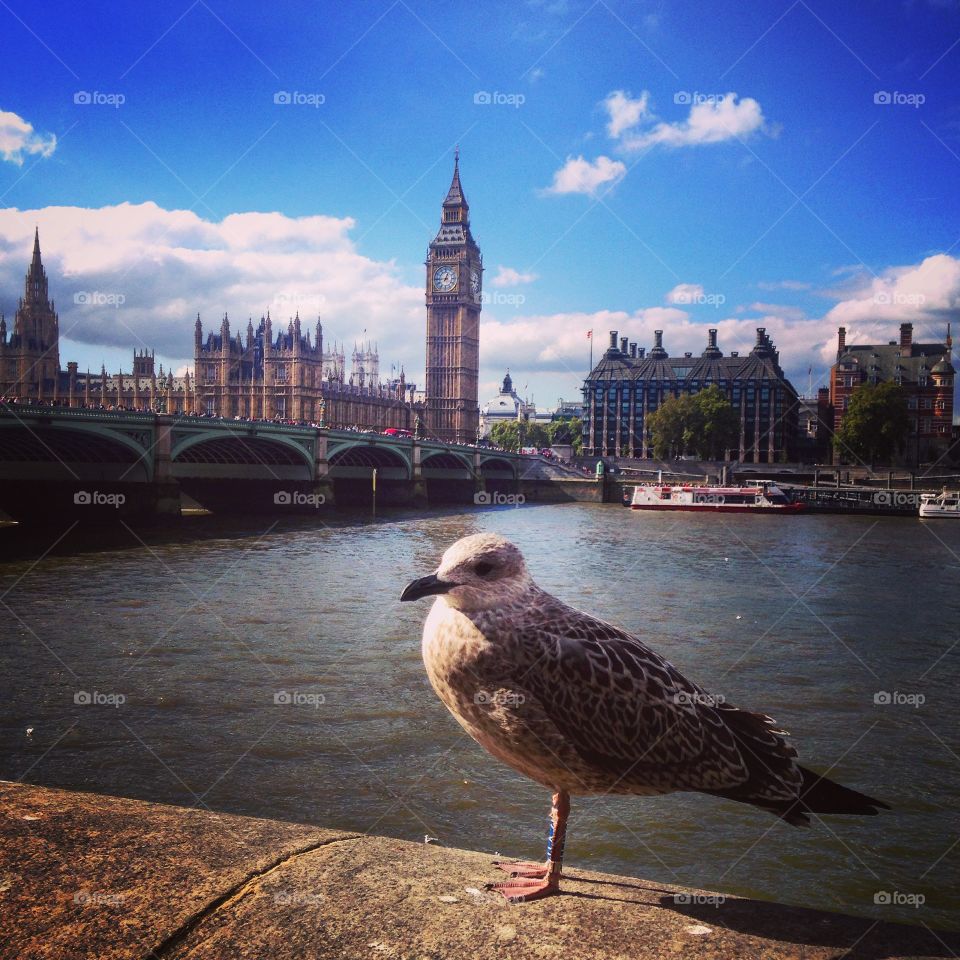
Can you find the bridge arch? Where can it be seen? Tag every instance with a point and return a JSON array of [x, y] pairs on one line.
[[76, 451], [447, 460], [498, 467], [258, 457], [360, 459]]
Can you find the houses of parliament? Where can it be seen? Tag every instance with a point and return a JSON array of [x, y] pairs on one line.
[[274, 370]]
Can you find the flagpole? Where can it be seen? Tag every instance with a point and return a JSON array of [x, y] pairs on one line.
[[590, 370]]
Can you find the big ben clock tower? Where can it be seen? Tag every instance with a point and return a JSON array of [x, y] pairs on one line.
[[454, 279]]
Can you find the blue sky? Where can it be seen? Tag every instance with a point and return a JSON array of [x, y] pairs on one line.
[[628, 165]]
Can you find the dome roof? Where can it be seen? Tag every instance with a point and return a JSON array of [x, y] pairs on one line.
[[506, 404], [943, 366]]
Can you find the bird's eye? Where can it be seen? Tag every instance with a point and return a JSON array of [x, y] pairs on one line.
[[483, 568]]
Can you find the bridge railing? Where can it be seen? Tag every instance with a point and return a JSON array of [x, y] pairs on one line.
[[13, 409]]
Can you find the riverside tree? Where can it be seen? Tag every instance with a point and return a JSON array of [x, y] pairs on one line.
[[512, 434], [703, 423], [562, 432], [876, 423]]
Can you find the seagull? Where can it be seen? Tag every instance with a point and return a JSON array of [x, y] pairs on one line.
[[583, 707]]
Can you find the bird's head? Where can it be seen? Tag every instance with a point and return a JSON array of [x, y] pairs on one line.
[[476, 573]]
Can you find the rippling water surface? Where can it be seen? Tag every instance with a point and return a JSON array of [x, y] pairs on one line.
[[806, 618]]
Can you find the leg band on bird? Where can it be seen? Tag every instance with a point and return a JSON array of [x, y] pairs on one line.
[[558, 832], [531, 881]]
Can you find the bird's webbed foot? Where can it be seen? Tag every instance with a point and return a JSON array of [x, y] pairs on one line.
[[523, 889]]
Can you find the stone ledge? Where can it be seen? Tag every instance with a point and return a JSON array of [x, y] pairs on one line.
[[90, 876]]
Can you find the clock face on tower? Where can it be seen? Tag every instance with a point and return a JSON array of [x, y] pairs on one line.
[[444, 279], [475, 283]]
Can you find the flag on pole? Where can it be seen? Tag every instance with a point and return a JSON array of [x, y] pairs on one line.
[[589, 334]]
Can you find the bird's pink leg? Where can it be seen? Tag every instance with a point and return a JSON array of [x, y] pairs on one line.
[[531, 881]]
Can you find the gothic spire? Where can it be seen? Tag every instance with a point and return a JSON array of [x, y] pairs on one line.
[[455, 197], [36, 285]]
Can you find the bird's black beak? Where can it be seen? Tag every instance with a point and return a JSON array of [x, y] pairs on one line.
[[425, 587]]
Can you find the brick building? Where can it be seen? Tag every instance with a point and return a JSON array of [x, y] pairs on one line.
[[923, 370]]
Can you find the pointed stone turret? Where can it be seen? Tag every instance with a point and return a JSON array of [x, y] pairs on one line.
[[36, 285], [455, 195]]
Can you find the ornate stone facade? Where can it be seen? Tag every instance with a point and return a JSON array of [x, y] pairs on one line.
[[454, 284], [291, 377], [30, 359]]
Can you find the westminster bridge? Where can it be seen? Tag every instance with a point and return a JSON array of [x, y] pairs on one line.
[[59, 460]]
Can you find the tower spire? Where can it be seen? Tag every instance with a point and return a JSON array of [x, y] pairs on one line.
[[36, 284], [455, 195]]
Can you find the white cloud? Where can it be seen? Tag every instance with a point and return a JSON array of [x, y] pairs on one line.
[[926, 294], [583, 176], [170, 264], [711, 121], [685, 293], [17, 137], [161, 267], [624, 112], [508, 277]]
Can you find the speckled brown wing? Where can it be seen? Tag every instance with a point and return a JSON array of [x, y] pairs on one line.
[[630, 713]]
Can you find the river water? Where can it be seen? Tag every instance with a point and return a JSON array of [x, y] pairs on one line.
[[150, 666]]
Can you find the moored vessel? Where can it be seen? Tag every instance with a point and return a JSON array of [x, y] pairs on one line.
[[743, 499], [941, 506]]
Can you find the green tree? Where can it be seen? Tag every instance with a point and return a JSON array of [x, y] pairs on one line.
[[506, 434], [876, 423], [513, 434], [570, 431], [703, 423], [719, 426], [673, 426], [535, 435]]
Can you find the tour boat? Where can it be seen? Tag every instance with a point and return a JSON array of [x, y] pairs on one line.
[[944, 505], [762, 497]]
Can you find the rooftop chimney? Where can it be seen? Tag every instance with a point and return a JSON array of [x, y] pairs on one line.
[[712, 349], [841, 340], [641, 352], [906, 339], [623, 344], [613, 339], [633, 351]]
